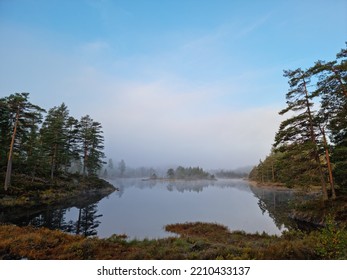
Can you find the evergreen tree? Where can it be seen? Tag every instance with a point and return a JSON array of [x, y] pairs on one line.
[[332, 88], [170, 173], [110, 164], [5, 132], [310, 139], [299, 132], [32, 148], [121, 167], [60, 142], [72, 146], [22, 115], [55, 138], [92, 140]]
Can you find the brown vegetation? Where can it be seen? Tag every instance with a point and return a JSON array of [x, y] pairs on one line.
[[196, 241]]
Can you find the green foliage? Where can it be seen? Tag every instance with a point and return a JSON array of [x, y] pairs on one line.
[[189, 173], [332, 241], [299, 158], [170, 173], [231, 174], [54, 135], [92, 140], [46, 148], [18, 130]]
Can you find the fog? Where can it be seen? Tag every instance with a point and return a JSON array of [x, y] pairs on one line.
[[158, 129]]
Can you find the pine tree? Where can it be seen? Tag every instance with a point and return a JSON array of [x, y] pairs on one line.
[[332, 88], [72, 147], [310, 138], [91, 140], [22, 115], [54, 137], [121, 167], [5, 132], [300, 130], [32, 148]]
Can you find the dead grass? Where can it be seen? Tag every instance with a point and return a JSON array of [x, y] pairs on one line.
[[196, 241]]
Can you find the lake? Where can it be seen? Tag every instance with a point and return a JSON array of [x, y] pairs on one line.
[[140, 209]]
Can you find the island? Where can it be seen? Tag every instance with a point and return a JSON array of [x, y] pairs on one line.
[[182, 173]]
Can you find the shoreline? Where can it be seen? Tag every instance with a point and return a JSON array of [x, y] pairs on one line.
[[32, 194], [312, 190], [273, 186]]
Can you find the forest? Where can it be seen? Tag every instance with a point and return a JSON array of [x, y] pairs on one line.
[[189, 173], [310, 146], [44, 145]]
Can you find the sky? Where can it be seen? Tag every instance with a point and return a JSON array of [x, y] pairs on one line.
[[173, 82]]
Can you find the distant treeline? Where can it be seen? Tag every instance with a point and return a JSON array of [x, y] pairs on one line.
[[46, 144], [121, 170], [189, 173], [310, 147], [231, 174]]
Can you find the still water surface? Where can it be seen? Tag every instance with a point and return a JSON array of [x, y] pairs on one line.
[[141, 209]]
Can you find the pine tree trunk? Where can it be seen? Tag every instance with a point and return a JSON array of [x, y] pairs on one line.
[[53, 160], [9, 162], [85, 161], [314, 142], [78, 226], [331, 179]]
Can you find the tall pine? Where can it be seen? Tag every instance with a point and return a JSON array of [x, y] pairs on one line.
[[54, 135], [332, 89], [91, 140], [299, 132], [22, 116]]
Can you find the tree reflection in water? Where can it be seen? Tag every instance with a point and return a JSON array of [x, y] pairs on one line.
[[86, 224], [277, 204]]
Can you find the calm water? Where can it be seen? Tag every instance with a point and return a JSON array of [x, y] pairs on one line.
[[142, 208]]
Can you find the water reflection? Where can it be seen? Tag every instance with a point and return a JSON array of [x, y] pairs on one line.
[[140, 209], [146, 206], [178, 185], [86, 222], [276, 203]]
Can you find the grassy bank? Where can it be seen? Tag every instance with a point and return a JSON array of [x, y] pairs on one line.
[[195, 241], [27, 192]]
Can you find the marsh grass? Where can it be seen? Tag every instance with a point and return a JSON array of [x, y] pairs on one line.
[[196, 241]]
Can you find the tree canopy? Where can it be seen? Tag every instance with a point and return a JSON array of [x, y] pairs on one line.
[[310, 147], [188, 173], [46, 146]]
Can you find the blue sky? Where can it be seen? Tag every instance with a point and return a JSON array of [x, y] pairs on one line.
[[193, 82]]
